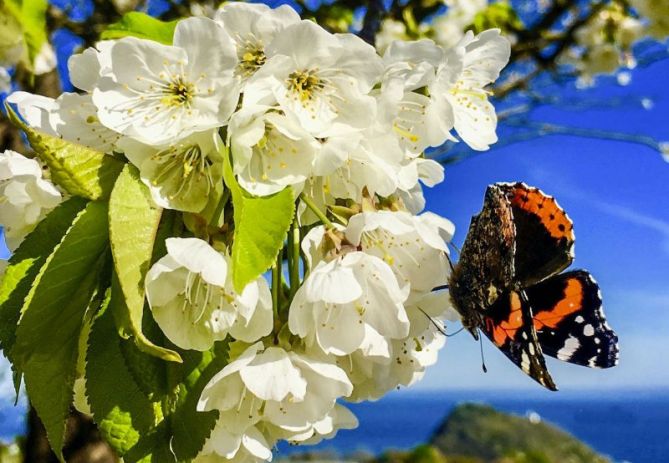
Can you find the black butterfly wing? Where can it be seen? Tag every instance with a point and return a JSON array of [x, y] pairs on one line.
[[544, 234], [508, 323], [570, 322]]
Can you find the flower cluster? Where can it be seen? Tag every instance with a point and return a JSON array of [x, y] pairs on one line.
[[26, 197], [605, 43], [277, 103]]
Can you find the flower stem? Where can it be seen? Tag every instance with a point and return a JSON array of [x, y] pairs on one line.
[[294, 257], [276, 286], [320, 214], [217, 216]]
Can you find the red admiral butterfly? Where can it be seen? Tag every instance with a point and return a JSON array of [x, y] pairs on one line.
[[508, 285]]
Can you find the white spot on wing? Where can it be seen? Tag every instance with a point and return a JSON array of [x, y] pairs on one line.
[[569, 348], [579, 319], [524, 362], [588, 330]]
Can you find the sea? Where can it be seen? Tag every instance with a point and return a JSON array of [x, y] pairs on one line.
[[627, 426]]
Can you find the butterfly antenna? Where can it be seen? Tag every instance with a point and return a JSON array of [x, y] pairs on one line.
[[457, 332], [434, 322], [455, 248], [439, 327], [485, 369]]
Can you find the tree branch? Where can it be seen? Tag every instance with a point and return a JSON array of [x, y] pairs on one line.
[[372, 22]]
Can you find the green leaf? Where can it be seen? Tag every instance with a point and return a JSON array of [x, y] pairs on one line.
[[143, 26], [261, 226], [79, 170], [133, 224], [123, 413], [190, 428], [153, 447], [25, 264], [149, 372], [498, 15], [46, 347], [31, 14], [118, 377]]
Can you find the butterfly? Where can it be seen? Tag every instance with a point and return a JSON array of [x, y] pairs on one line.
[[508, 284]]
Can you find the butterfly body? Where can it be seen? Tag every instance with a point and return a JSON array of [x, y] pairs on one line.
[[507, 284]]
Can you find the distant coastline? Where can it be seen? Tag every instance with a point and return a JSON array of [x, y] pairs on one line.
[[629, 425]]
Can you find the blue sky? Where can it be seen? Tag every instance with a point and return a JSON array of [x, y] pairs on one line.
[[616, 194]]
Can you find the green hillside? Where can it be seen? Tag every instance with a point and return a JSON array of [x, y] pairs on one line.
[[482, 433]]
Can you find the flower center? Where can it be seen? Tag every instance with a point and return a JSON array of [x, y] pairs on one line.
[[462, 90], [188, 162], [305, 84], [178, 92], [251, 58]]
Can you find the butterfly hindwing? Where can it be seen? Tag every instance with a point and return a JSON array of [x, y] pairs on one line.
[[508, 324], [570, 322], [544, 233]]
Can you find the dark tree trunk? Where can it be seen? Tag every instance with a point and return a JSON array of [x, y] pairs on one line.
[[83, 443]]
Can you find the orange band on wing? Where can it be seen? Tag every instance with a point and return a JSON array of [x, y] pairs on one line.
[[546, 208], [507, 328], [570, 303]]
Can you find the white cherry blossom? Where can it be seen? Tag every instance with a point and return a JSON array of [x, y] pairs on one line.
[[25, 197], [455, 96], [270, 151], [253, 26], [268, 391], [339, 418], [409, 358], [415, 172], [71, 116], [192, 298], [483, 57], [184, 175], [319, 79], [250, 445], [353, 302], [415, 247], [158, 93], [86, 68], [348, 164]]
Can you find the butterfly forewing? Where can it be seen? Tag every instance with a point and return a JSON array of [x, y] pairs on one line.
[[544, 234], [570, 322]]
